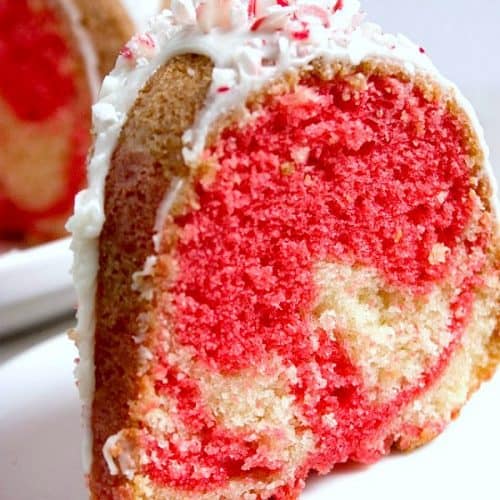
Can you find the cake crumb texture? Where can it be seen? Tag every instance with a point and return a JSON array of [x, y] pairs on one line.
[[325, 285]]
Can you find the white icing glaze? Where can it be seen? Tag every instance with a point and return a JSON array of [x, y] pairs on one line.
[[247, 51], [117, 445], [107, 451], [164, 209], [90, 59], [141, 11], [85, 45]]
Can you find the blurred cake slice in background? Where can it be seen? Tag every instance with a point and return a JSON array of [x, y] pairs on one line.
[[53, 55]]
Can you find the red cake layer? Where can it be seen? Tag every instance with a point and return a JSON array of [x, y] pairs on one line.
[[322, 175], [41, 80], [36, 79], [222, 453], [368, 193]]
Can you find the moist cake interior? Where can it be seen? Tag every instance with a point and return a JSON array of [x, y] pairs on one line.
[[319, 278]]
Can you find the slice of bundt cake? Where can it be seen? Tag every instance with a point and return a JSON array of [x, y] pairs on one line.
[[287, 255], [52, 56]]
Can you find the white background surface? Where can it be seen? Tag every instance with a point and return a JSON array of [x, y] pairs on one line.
[[39, 427]]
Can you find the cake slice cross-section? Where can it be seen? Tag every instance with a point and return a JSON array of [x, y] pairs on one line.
[[287, 256]]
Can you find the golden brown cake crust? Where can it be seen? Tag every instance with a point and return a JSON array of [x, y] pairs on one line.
[[484, 373], [144, 164], [109, 27]]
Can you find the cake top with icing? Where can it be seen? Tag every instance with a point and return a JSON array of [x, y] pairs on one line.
[[306, 21], [252, 42], [259, 28]]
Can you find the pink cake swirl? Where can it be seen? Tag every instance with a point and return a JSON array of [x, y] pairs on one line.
[[287, 256]]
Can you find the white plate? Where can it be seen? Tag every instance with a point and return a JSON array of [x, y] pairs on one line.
[[40, 443], [35, 284]]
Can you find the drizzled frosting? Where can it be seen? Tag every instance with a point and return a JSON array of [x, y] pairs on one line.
[[250, 42]]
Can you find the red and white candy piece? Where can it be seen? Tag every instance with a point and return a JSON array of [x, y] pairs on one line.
[[140, 46]]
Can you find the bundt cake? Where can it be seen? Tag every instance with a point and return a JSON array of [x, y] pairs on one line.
[[287, 256], [53, 55]]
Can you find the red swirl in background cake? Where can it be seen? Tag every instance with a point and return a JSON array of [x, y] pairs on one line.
[[51, 58], [287, 256]]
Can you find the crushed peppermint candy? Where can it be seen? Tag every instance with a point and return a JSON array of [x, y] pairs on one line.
[[126, 53], [314, 12], [302, 34], [303, 21], [265, 25], [339, 4], [251, 41], [140, 46]]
